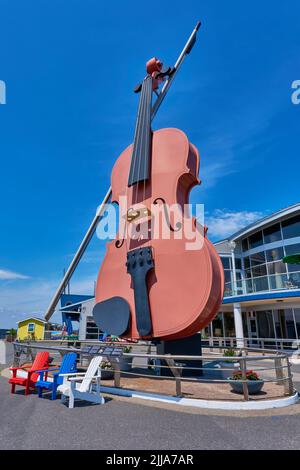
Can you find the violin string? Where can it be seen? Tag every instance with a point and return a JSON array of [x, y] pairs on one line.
[[139, 137], [135, 158]]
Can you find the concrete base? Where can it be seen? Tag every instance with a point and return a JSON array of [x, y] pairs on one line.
[[190, 346], [206, 404]]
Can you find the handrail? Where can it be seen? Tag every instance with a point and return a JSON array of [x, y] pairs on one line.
[[167, 361]]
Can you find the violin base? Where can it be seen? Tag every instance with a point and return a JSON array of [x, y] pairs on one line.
[[190, 346]]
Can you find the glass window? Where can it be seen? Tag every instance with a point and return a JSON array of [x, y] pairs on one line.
[[291, 227], [297, 320], [258, 258], [278, 267], [284, 323], [265, 324], [260, 284], [245, 326], [225, 262], [279, 281], [260, 270], [238, 263], [272, 234], [229, 324], [255, 240], [294, 280], [292, 250], [275, 254], [245, 244], [248, 273], [217, 326], [246, 262], [30, 327], [249, 286], [227, 275]]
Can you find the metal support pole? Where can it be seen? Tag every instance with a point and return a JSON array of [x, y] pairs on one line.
[[288, 383], [186, 50], [78, 255], [244, 377], [91, 230], [279, 370]]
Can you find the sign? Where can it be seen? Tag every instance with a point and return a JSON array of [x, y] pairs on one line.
[[113, 351]]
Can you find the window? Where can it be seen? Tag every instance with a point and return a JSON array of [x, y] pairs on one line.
[[291, 227], [278, 281], [255, 240], [260, 284], [227, 275], [284, 323], [30, 327], [292, 250], [260, 270], [277, 268], [229, 324], [258, 258], [272, 234], [245, 244], [225, 262], [247, 262], [217, 326], [238, 263], [275, 254], [265, 324], [297, 320]]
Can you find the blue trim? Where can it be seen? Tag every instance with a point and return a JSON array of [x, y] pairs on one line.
[[262, 296]]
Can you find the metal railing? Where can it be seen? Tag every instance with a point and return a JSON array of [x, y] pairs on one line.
[[152, 365], [257, 344]]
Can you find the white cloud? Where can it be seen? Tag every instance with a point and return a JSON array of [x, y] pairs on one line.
[[224, 222], [33, 297], [10, 275]]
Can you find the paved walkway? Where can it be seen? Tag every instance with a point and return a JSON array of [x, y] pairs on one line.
[[33, 423]]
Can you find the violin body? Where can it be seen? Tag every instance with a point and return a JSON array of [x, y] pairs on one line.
[[184, 287]]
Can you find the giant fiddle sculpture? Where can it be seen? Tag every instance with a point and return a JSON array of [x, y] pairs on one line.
[[152, 284], [154, 287]]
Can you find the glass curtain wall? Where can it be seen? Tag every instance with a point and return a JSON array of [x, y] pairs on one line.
[[265, 270]]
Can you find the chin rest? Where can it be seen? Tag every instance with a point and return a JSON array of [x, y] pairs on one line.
[[112, 315]]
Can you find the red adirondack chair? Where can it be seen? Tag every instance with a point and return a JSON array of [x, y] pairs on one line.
[[40, 362]]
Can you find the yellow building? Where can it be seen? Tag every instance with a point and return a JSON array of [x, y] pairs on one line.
[[31, 328]]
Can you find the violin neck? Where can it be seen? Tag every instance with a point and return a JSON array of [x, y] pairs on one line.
[[141, 155]]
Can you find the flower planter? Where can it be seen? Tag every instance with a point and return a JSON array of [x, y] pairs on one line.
[[254, 386], [107, 374]]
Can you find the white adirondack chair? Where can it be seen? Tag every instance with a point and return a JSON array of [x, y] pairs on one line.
[[80, 385]]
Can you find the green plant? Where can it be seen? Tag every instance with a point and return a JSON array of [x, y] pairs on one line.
[[127, 349], [250, 375], [229, 352]]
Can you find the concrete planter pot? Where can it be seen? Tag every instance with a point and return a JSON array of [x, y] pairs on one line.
[[254, 386], [125, 363], [230, 368], [107, 374]]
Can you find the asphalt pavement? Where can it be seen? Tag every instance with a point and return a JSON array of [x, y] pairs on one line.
[[121, 424]]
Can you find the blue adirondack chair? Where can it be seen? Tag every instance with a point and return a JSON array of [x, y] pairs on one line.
[[68, 365]]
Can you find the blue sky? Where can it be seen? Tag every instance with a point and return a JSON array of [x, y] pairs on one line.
[[70, 68]]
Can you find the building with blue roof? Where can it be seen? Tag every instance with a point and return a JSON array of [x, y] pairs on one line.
[[261, 304]]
